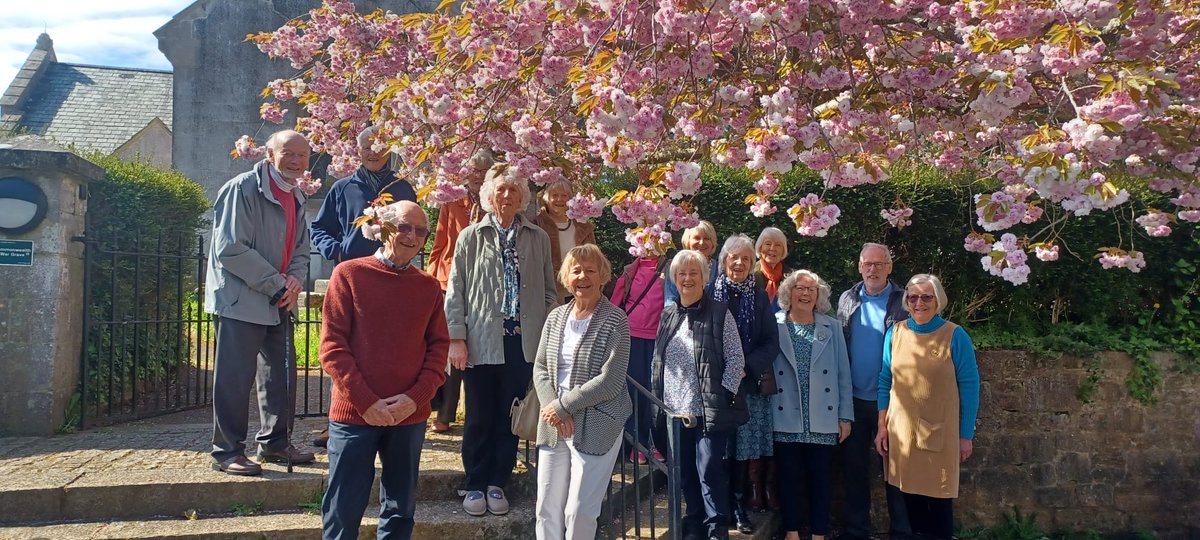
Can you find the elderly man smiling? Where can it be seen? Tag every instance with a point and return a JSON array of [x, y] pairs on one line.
[[384, 343], [257, 261]]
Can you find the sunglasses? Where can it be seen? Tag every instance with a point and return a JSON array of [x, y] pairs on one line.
[[406, 229], [913, 298]]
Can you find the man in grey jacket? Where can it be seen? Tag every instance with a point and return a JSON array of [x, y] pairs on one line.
[[257, 262], [866, 311]]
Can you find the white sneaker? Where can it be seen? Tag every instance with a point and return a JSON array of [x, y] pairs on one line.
[[496, 503], [474, 504]]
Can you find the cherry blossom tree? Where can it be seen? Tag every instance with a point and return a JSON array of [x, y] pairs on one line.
[[1065, 103]]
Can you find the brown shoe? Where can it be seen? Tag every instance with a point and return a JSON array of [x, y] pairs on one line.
[[298, 456], [321, 440], [241, 466], [440, 427]]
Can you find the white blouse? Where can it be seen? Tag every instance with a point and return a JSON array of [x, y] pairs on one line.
[[572, 335]]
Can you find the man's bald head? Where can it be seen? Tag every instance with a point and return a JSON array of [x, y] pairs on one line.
[[289, 151], [412, 228]]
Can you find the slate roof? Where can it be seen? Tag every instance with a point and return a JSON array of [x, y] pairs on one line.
[[95, 107]]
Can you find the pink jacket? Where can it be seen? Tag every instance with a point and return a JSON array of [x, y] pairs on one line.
[[643, 318]]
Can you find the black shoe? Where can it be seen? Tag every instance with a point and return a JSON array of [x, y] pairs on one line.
[[741, 520], [321, 440], [299, 457]]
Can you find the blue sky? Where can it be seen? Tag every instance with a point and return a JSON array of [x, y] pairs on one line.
[[100, 32]]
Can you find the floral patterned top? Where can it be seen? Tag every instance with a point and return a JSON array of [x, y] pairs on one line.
[[681, 381], [803, 336]]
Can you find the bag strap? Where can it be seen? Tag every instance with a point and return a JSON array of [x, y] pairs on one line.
[[629, 283]]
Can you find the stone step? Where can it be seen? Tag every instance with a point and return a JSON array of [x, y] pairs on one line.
[[435, 520], [98, 495]]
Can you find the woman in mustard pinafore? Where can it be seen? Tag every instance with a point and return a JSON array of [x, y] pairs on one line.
[[928, 392]]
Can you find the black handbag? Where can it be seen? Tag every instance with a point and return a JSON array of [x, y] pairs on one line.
[[766, 383]]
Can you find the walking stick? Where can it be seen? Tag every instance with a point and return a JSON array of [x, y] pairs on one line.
[[289, 345]]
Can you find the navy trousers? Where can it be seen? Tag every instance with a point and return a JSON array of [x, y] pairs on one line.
[[861, 467], [932, 517], [489, 448], [804, 467], [704, 481], [352, 451], [641, 352]]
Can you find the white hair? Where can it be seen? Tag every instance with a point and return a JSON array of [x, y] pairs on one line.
[[938, 291], [823, 291], [736, 242], [689, 256], [771, 233], [366, 136], [499, 174], [887, 252]]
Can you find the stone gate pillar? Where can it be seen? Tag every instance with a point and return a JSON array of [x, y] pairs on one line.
[[41, 282]]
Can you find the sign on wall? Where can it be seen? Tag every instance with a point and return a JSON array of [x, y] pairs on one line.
[[16, 252]]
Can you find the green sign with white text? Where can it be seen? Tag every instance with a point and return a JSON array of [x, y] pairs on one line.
[[16, 252]]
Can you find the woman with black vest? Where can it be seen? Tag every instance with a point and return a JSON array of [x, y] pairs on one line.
[[697, 370]]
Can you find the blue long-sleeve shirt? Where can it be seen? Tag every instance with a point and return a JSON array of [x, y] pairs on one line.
[[333, 231], [966, 372]]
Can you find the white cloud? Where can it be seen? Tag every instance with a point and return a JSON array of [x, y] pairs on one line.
[[107, 33]]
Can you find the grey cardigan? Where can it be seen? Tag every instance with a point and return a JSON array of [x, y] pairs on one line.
[[247, 247], [598, 401], [829, 395], [475, 290]]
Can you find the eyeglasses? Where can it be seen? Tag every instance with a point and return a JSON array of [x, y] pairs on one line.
[[927, 298], [875, 264], [406, 229], [807, 289]]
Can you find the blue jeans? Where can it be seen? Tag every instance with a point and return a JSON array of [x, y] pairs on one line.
[[641, 352], [352, 450], [703, 480]]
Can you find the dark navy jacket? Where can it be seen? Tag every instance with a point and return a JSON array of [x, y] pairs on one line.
[[334, 233]]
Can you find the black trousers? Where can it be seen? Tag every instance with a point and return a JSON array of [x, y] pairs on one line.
[[930, 516], [704, 484], [445, 400], [804, 467], [489, 448], [861, 467]]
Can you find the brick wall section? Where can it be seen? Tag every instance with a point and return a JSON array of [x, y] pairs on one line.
[[1110, 465]]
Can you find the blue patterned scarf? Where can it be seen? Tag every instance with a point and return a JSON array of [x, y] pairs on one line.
[[743, 312], [512, 268]]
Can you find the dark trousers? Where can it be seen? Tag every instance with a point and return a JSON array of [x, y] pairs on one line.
[[704, 484], [489, 447], [252, 353], [445, 401], [930, 516], [641, 352], [804, 467], [862, 466], [352, 451]]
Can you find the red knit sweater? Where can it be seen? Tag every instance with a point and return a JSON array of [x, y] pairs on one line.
[[384, 333]]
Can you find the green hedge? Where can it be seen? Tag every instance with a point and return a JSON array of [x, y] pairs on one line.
[[1074, 289], [139, 211]]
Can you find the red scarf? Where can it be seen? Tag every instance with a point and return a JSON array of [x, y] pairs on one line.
[[288, 202], [774, 276]]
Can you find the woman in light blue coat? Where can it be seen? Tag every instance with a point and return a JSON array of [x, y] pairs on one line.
[[813, 409]]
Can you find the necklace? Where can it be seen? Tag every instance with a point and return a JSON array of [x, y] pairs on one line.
[[564, 229]]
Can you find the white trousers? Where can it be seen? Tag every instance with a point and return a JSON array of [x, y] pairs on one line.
[[571, 489]]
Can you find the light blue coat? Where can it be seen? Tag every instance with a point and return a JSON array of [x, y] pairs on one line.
[[829, 391]]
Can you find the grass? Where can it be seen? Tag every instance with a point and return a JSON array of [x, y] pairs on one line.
[[306, 332], [246, 509]]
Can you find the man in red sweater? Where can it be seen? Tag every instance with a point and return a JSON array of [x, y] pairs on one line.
[[386, 360]]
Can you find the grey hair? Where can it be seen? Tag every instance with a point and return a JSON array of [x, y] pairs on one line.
[[938, 290], [704, 228], [365, 136], [736, 242], [823, 291], [689, 256], [768, 233], [873, 245], [481, 160], [495, 176]]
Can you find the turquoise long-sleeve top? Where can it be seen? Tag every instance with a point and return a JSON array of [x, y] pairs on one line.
[[966, 371]]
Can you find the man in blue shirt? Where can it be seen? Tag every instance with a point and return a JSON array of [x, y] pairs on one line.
[[866, 311], [333, 232]]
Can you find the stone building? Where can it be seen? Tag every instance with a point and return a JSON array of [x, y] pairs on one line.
[[113, 110]]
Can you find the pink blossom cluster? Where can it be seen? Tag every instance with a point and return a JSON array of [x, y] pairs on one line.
[[308, 185], [1007, 260], [1053, 99], [1110, 258], [1046, 253], [813, 216], [585, 206], [897, 217], [979, 243], [1156, 223], [246, 148], [648, 241]]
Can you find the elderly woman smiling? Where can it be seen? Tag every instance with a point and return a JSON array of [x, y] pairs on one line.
[[928, 392], [813, 409], [564, 232], [702, 238], [772, 249], [738, 288], [501, 288], [697, 370], [579, 375]]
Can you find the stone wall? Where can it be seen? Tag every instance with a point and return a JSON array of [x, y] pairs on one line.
[[1110, 465]]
